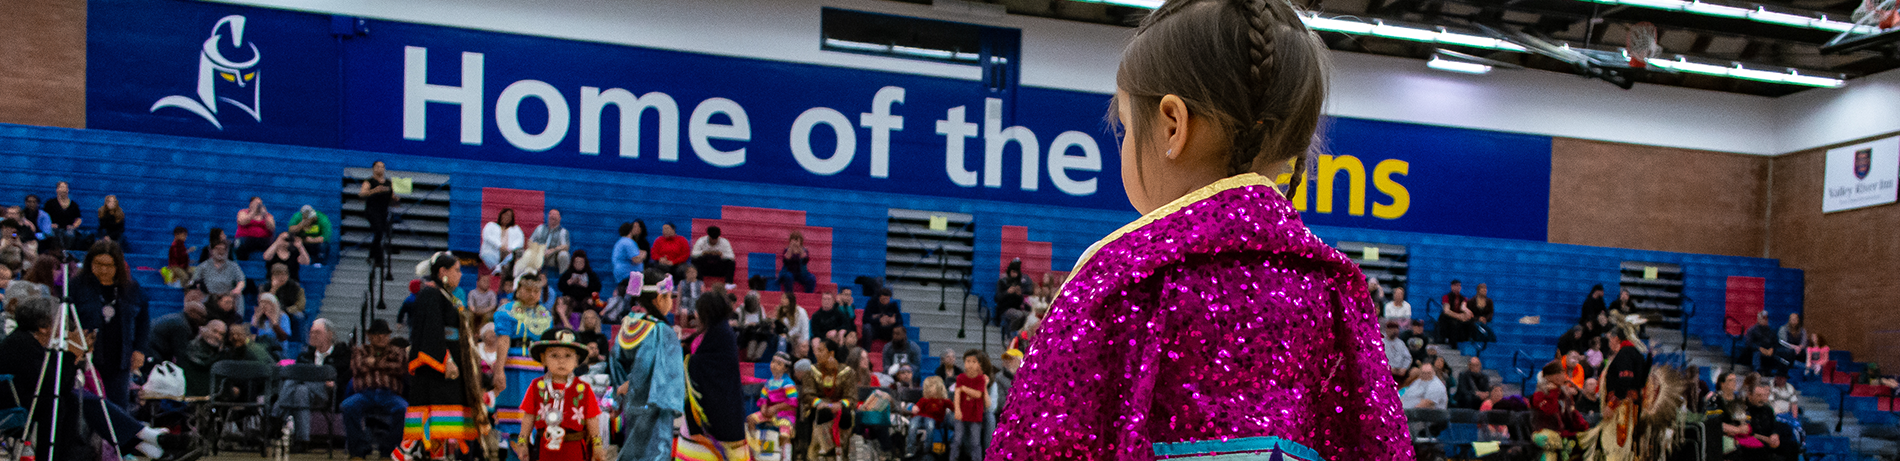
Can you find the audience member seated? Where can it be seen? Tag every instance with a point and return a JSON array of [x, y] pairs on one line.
[[378, 372], [203, 352], [1573, 340], [501, 242], [272, 326], [630, 254], [1011, 288], [1784, 397], [793, 324], [65, 219], [1761, 345], [927, 415], [884, 315], [949, 366], [1415, 340], [578, 281], [1473, 383], [758, 337], [1754, 427], [296, 399], [173, 332], [483, 299], [1623, 304], [1482, 310], [1572, 365], [310, 228], [1817, 353], [1397, 311], [712, 254], [224, 306], [212, 238], [671, 251], [33, 215], [26, 349], [218, 274], [831, 317], [1423, 389], [1555, 421], [1454, 316], [178, 259], [1045, 295], [554, 238], [112, 220], [1792, 341], [1398, 357], [286, 252], [794, 262], [255, 226], [1592, 308], [901, 351], [592, 334], [289, 292]]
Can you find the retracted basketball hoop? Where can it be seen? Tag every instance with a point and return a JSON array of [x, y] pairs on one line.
[[1641, 44]]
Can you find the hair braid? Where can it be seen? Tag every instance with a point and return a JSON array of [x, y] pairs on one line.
[[1260, 62]]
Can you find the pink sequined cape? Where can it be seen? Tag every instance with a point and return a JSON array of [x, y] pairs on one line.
[[1216, 317]]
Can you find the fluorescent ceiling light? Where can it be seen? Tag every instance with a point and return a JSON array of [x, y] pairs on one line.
[[1761, 15], [860, 46], [1381, 29], [1791, 77], [1149, 4], [923, 52], [1457, 66], [1442, 36]]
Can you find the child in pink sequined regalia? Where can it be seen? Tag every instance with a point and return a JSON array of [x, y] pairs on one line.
[[1216, 323]]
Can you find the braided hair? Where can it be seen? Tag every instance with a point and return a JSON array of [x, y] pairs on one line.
[[1251, 66]]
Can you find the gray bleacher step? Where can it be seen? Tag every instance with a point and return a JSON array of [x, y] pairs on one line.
[[356, 222], [356, 208]]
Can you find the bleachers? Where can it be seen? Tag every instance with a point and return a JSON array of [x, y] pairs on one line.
[[164, 182]]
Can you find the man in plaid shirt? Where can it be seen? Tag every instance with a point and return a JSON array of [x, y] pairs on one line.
[[378, 370]]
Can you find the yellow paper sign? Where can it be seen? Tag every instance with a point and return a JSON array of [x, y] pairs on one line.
[[1649, 272], [403, 186], [938, 223], [1371, 253]]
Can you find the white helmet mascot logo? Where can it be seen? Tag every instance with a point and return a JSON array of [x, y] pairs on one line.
[[213, 66]]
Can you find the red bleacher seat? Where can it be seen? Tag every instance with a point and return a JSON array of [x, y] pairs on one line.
[[527, 204], [765, 230], [1870, 390], [1037, 256], [1745, 297]]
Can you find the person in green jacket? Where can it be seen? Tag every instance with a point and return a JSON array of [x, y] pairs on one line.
[[196, 362], [312, 227]]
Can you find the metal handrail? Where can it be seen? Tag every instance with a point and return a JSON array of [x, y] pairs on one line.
[[943, 264], [1524, 375]]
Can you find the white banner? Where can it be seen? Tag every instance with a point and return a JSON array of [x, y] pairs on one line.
[[1861, 175]]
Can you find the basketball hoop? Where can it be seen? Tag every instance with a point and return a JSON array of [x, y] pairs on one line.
[[1878, 13], [1641, 44]]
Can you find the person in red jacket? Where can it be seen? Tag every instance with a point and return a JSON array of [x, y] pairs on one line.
[[1555, 419], [671, 252]]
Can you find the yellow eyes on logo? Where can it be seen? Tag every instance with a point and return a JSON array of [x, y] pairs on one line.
[[230, 77]]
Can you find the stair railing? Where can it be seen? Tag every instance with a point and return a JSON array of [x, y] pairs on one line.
[[941, 251]]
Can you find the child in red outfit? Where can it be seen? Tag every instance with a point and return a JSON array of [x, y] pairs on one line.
[[560, 407]]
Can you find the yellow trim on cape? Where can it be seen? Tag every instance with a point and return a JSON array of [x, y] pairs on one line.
[[1205, 192]]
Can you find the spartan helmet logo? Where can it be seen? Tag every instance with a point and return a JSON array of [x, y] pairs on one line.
[[215, 71]]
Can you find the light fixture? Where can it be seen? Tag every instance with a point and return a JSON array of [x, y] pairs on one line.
[[1443, 36], [855, 45], [1681, 64], [1761, 15], [1457, 66], [1381, 29], [1149, 4]]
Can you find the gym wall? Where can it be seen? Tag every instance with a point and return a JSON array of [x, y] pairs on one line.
[[1657, 198], [1850, 258], [44, 80]]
